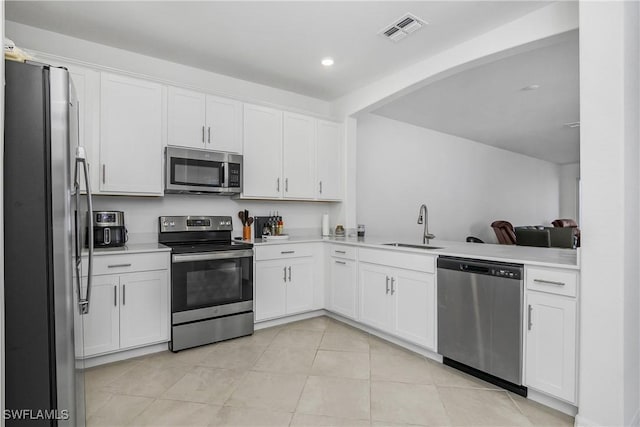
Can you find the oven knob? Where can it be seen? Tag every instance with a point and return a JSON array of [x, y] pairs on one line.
[[172, 224], [165, 224], [228, 223]]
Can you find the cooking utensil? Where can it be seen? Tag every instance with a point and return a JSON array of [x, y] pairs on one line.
[[250, 221], [242, 217], [246, 216]]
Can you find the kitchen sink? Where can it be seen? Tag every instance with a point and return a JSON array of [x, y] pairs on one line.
[[406, 245]]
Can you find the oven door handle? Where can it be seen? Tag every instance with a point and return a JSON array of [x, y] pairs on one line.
[[247, 253]]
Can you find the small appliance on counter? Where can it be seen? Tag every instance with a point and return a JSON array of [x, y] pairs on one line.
[[108, 229], [271, 226]]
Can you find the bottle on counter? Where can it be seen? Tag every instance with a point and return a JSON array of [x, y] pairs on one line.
[[280, 225]]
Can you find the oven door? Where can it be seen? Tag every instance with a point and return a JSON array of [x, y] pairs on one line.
[[195, 171], [211, 284]]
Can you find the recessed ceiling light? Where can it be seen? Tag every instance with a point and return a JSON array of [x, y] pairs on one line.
[[530, 87], [327, 62]]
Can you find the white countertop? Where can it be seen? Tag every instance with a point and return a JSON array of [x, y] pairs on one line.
[[130, 248], [549, 257]]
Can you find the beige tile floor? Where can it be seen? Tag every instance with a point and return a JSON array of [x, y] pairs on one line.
[[316, 372]]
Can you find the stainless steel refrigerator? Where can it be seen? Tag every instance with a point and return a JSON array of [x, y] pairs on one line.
[[43, 204]]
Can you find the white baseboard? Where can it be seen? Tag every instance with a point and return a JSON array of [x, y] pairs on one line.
[[552, 402], [288, 319], [90, 362], [399, 342], [583, 422]]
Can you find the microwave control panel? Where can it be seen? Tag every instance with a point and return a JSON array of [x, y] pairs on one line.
[[234, 174]]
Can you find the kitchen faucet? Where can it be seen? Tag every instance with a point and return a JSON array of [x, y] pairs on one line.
[[426, 236]]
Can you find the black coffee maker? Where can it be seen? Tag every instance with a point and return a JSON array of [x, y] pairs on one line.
[[108, 229]]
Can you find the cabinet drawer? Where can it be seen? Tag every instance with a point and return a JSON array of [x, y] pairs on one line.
[[342, 251], [409, 261], [127, 263], [283, 251], [552, 280]]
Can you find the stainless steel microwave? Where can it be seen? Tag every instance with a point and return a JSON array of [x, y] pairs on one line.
[[202, 171]]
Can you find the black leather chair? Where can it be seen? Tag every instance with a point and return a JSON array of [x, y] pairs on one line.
[[562, 237], [471, 239], [532, 237]]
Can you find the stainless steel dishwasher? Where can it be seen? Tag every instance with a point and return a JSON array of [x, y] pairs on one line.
[[480, 319]]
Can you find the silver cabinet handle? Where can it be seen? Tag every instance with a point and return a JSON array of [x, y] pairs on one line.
[[340, 262], [549, 282], [387, 285], [287, 252], [320, 187], [340, 252], [124, 290], [209, 134], [203, 134], [118, 265], [278, 185], [115, 296], [392, 289], [104, 173], [284, 269], [529, 323], [286, 185], [289, 273]]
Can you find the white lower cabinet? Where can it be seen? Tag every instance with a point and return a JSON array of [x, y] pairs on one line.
[[144, 314], [101, 325], [285, 284], [399, 301], [551, 345], [343, 292], [125, 311]]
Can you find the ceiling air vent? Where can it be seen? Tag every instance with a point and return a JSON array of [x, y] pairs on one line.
[[402, 27]]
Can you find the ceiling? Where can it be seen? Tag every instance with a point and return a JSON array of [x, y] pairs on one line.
[[487, 103], [279, 44]]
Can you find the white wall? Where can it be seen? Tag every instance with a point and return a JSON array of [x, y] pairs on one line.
[[39, 40], [609, 387], [466, 185], [141, 213], [569, 191]]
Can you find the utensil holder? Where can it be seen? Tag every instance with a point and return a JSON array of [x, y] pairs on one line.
[[246, 232]]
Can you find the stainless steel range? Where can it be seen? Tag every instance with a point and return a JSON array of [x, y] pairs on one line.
[[211, 280]]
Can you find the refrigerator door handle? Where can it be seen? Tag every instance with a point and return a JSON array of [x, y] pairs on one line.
[[84, 302]]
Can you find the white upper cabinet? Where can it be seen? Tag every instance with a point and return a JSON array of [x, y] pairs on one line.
[[224, 124], [130, 135], [87, 86], [329, 166], [197, 120], [291, 156], [299, 156], [262, 152], [186, 117]]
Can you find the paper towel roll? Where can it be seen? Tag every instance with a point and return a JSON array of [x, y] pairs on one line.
[[326, 231]]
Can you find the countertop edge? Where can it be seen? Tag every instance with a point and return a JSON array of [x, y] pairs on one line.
[[433, 252]]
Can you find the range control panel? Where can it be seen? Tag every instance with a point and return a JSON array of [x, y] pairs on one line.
[[170, 224]]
